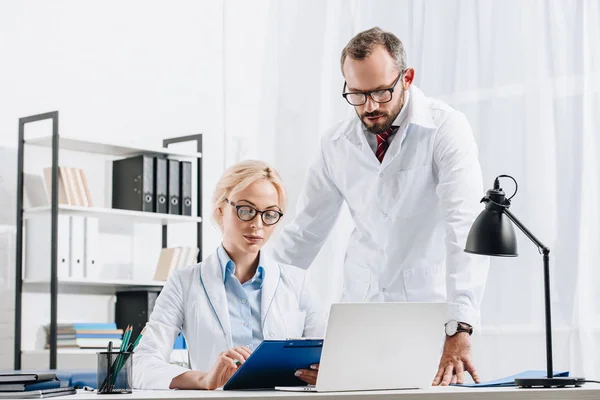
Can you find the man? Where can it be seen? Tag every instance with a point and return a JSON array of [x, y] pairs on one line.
[[407, 168]]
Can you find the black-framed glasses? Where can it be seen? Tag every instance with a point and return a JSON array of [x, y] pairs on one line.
[[247, 213], [378, 96]]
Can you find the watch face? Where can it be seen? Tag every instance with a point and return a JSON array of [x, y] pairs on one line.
[[451, 327]]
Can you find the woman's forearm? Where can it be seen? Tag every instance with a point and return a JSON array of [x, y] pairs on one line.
[[189, 380]]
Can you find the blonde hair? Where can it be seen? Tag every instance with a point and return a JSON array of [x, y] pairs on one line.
[[241, 175]]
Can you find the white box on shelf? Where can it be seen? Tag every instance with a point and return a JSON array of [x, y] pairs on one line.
[[38, 247]]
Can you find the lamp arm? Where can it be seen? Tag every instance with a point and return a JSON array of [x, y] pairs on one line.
[[547, 303], [526, 231]]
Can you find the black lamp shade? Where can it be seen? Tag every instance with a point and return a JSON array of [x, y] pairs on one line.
[[492, 234]]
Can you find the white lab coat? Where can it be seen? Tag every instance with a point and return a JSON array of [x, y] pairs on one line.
[[412, 213], [194, 300]]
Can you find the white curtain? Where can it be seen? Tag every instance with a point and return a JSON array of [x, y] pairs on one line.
[[526, 74]]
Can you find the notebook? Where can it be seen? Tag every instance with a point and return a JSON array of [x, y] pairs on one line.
[[39, 394], [24, 387], [26, 377]]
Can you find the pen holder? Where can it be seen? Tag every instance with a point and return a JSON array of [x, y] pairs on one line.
[[114, 372]]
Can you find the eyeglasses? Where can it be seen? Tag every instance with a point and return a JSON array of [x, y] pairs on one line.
[[247, 213], [378, 96]]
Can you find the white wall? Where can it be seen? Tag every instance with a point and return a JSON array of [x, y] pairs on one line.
[[135, 71]]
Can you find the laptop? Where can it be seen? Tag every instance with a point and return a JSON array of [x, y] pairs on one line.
[[380, 346]]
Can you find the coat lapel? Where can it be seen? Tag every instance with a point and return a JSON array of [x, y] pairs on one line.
[[211, 277], [270, 285]]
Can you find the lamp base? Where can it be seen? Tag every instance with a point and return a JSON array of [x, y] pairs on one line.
[[549, 382]]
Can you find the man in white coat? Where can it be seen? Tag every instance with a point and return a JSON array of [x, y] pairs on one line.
[[407, 168]]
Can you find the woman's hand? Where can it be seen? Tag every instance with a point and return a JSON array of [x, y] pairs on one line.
[[309, 375], [225, 366]]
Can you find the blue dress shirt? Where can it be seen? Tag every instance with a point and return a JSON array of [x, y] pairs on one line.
[[243, 302]]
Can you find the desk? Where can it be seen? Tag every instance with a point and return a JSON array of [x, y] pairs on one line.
[[592, 391]]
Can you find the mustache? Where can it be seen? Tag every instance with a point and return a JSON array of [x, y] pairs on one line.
[[373, 114]]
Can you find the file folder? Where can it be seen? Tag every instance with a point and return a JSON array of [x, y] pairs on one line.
[[38, 251], [77, 247], [174, 189], [133, 183], [160, 185], [186, 187], [91, 264]]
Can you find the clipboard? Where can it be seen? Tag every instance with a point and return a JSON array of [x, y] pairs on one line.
[[274, 363]]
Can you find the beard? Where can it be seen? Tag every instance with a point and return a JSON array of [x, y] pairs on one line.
[[386, 120]]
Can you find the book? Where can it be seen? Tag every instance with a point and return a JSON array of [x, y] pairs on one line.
[[86, 343], [29, 386], [71, 331], [63, 194], [25, 377], [167, 262], [39, 394], [87, 325]]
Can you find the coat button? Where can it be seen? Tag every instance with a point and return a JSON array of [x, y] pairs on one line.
[[270, 335], [381, 175]]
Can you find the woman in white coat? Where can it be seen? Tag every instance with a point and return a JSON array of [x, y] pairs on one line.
[[238, 296]]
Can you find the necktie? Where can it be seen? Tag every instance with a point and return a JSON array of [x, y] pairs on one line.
[[382, 143]]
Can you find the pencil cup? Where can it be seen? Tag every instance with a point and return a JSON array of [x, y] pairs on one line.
[[114, 372]]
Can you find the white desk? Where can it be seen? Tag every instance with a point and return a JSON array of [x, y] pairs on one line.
[[588, 392]]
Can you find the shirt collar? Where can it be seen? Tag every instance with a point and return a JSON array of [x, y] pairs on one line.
[[228, 266]]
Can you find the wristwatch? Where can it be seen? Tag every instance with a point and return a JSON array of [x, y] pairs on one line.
[[452, 327]]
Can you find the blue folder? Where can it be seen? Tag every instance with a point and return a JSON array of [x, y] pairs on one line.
[[510, 380], [274, 363]]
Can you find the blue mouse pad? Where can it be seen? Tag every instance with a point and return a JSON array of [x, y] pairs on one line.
[[274, 363]]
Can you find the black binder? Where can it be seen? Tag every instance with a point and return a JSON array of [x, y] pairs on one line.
[[134, 308], [186, 187], [133, 183], [173, 172], [160, 186]]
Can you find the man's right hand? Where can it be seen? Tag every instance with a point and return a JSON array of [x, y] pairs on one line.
[[224, 367]]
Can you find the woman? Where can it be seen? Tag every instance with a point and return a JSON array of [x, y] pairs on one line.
[[238, 296]]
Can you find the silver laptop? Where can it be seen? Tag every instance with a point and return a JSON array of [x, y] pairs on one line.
[[380, 346]]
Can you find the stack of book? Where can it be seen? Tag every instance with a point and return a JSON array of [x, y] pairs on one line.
[[87, 335], [72, 186], [30, 386], [173, 258]]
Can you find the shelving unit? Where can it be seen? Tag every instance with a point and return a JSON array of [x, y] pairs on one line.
[[56, 143], [137, 216]]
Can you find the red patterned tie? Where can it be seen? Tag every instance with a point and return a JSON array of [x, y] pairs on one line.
[[382, 143]]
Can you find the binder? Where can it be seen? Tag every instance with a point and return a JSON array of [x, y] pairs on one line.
[[174, 189], [133, 183], [160, 185], [37, 249], [185, 180], [77, 247], [91, 264]]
